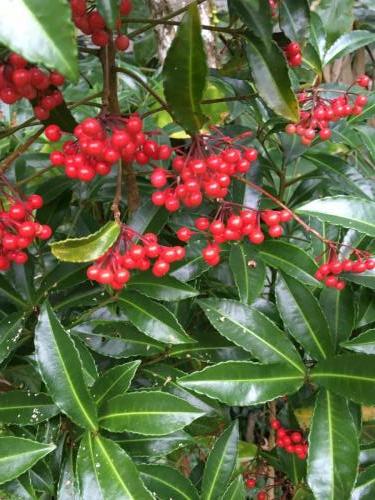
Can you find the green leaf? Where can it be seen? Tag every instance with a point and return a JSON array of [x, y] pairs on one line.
[[23, 408], [365, 485], [67, 488], [350, 375], [10, 328], [346, 211], [9, 293], [149, 446], [348, 43], [236, 490], [303, 317], [165, 288], [336, 16], [251, 330], [186, 63], [105, 471], [193, 265], [256, 15], [89, 247], [90, 372], [271, 76], [333, 448], [152, 318], [290, 259], [294, 19], [243, 383], [167, 482], [58, 360], [149, 413], [338, 308], [341, 173], [365, 343], [47, 36], [220, 463], [19, 454], [317, 35], [248, 271], [109, 9], [115, 381], [366, 279]]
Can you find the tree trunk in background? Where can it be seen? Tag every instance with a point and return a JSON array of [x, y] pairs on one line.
[[165, 34]]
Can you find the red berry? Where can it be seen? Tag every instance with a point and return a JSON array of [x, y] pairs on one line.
[[158, 178], [125, 7], [56, 79], [91, 127], [275, 424], [53, 133], [256, 237], [184, 234], [296, 437], [17, 211], [363, 81], [35, 201], [202, 223], [275, 231], [160, 268], [250, 483], [262, 495], [122, 42]]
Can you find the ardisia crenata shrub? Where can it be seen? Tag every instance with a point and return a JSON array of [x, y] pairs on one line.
[[187, 266]]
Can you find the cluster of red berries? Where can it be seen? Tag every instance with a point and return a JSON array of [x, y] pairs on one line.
[[251, 483], [92, 23], [18, 228], [133, 251], [196, 174], [230, 226], [101, 142], [330, 271], [293, 54], [291, 441], [19, 79], [317, 113]]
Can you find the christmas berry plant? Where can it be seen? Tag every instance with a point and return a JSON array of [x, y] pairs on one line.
[[186, 250]]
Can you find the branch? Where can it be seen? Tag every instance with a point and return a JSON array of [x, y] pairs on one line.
[[117, 199], [157, 22], [5, 164], [10, 131], [298, 219], [176, 13]]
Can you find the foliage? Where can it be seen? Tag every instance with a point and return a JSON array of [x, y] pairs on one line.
[[171, 379]]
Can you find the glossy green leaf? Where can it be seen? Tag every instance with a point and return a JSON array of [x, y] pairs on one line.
[[365, 485], [165, 288], [290, 259], [365, 343], [19, 454], [256, 15], [10, 329], [251, 330], [148, 217], [167, 482], [294, 19], [149, 446], [220, 463], [88, 248], [90, 372], [67, 487], [186, 62], [149, 413], [350, 375], [333, 448], [10, 294], [151, 318], [58, 360], [271, 76], [41, 32], [317, 35], [109, 9], [243, 383], [338, 308], [336, 16], [164, 377], [303, 317], [236, 490], [366, 279], [23, 408], [348, 43], [346, 211], [193, 265], [341, 173], [248, 270], [105, 471], [113, 382]]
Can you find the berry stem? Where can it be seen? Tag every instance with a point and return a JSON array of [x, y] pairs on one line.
[[298, 219], [10, 131], [5, 164], [116, 200]]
